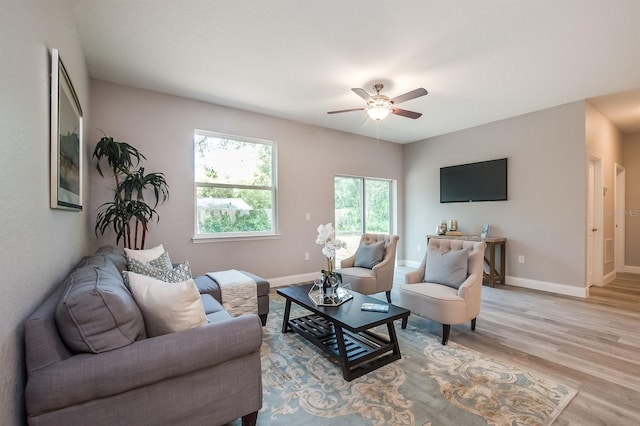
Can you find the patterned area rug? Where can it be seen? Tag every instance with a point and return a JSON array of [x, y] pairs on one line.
[[431, 385]]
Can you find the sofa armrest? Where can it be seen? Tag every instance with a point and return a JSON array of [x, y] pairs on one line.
[[86, 377]]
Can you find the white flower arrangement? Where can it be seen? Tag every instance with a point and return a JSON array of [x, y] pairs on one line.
[[327, 239]]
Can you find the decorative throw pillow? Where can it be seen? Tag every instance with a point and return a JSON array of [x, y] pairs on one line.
[[158, 265], [448, 268], [167, 308], [180, 273], [145, 255], [97, 313], [369, 255]]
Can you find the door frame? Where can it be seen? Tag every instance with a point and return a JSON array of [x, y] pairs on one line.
[[620, 217], [595, 202]]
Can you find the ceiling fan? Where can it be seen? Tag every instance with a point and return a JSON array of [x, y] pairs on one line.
[[379, 106]]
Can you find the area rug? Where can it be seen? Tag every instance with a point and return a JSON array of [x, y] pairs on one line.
[[431, 385]]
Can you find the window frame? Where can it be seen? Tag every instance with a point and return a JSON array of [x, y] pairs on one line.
[[199, 237], [392, 204]]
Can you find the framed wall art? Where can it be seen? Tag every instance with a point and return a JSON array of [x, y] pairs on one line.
[[66, 139]]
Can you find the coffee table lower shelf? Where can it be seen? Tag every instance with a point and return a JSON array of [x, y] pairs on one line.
[[358, 353]]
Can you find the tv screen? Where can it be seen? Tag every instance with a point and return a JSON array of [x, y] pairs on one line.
[[482, 181]]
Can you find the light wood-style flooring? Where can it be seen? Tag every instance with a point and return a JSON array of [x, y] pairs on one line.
[[592, 345]]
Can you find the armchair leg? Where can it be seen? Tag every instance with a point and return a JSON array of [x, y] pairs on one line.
[[446, 329], [389, 296], [473, 324], [250, 419], [263, 319]]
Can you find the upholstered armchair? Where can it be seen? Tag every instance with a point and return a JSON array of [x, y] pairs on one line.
[[370, 269], [448, 284]]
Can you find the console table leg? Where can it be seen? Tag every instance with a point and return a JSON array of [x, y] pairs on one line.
[[503, 261], [492, 262]]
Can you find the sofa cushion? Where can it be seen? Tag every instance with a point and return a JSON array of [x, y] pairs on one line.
[[447, 268], [97, 313], [167, 307], [369, 255]]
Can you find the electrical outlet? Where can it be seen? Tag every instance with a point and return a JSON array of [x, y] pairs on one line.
[[306, 256], [419, 247], [521, 259]]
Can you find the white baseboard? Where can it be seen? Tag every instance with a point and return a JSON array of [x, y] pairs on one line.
[[510, 280], [293, 279], [409, 263], [632, 269], [567, 290]]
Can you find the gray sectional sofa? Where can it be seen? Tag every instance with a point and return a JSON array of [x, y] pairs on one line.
[[89, 360]]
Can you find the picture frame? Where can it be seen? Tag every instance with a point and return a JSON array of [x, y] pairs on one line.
[[66, 139]]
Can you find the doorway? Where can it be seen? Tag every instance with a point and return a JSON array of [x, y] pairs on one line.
[[619, 218], [594, 222]]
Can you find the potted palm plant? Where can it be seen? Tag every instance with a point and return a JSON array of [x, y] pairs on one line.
[[128, 214]]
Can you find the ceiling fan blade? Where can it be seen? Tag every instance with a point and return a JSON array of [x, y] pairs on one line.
[[409, 95], [362, 93], [405, 113], [346, 110]]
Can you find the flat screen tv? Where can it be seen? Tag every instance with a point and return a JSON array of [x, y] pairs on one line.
[[482, 181]]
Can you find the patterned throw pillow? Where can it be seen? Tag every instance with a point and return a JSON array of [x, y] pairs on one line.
[[162, 262], [152, 267], [160, 269]]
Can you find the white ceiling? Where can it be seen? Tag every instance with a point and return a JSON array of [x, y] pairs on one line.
[[481, 61]]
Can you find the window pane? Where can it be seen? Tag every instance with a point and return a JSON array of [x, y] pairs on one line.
[[220, 160], [377, 204], [234, 210]]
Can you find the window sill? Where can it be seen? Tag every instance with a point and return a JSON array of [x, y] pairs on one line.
[[198, 239]]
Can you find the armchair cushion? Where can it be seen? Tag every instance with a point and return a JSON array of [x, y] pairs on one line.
[[369, 255], [446, 268]]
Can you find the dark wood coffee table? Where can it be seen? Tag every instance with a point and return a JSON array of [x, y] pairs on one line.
[[344, 332]]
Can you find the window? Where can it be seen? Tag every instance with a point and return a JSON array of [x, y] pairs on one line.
[[235, 185], [361, 205]]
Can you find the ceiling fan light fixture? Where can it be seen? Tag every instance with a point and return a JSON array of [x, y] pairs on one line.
[[378, 112]]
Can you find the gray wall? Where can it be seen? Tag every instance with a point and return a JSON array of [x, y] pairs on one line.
[[632, 201], [544, 216], [38, 245], [162, 126]]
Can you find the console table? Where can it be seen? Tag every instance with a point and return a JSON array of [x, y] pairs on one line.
[[496, 274]]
